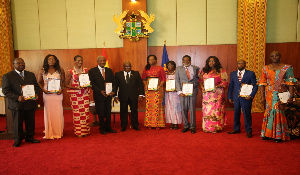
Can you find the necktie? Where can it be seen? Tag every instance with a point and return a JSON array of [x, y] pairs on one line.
[[188, 73], [127, 78], [22, 76], [103, 73], [240, 76]]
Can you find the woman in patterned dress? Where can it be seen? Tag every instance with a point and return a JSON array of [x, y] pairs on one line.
[[172, 104], [213, 103], [275, 78], [154, 98], [53, 110], [79, 98]]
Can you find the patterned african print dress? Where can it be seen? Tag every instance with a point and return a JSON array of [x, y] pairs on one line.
[[154, 109], [274, 123], [80, 100], [172, 106], [213, 103]]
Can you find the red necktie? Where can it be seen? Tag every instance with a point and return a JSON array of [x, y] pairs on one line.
[[240, 76], [187, 73], [103, 73]]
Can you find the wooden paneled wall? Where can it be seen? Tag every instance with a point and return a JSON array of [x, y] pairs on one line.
[[226, 54]]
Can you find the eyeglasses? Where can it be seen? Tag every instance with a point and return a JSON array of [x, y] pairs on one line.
[[127, 66]]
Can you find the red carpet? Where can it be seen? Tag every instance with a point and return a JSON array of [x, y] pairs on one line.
[[150, 152]]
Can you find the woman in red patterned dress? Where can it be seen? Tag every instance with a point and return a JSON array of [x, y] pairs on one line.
[[154, 110], [79, 98]]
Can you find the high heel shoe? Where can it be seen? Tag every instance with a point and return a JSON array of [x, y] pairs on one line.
[[175, 126], [277, 140], [172, 126]]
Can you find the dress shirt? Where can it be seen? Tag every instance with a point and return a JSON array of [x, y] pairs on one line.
[[20, 73], [125, 74], [242, 73]]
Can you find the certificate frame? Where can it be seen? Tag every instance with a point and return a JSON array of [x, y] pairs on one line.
[[245, 90], [187, 89], [53, 88], [108, 87], [170, 85], [84, 80], [283, 97], [209, 84], [153, 83], [28, 92]]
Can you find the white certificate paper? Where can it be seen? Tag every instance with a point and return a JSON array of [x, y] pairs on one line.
[[53, 85], [152, 84], [246, 90], [187, 89], [84, 80], [209, 84], [108, 88], [170, 85], [284, 97], [28, 92]]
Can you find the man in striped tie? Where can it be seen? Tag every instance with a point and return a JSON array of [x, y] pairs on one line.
[[237, 79]]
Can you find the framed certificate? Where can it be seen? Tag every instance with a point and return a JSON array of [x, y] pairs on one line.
[[209, 84], [187, 89], [28, 92], [170, 85], [284, 97], [84, 80], [246, 90], [108, 88], [153, 83], [53, 85]]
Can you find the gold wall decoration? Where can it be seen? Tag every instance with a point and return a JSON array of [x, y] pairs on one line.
[[6, 38], [132, 28], [251, 40]]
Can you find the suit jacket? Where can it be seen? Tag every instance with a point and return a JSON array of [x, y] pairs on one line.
[[11, 88], [181, 77], [98, 82], [235, 86], [132, 90]]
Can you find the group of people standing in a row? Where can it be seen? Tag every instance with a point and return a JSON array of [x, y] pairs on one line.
[[128, 87]]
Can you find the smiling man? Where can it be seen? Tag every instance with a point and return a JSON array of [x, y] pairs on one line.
[[22, 110], [131, 89], [99, 76]]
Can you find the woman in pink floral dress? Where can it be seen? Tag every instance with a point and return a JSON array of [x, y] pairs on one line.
[[213, 103]]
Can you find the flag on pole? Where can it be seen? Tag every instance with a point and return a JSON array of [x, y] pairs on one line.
[[104, 54], [164, 59]]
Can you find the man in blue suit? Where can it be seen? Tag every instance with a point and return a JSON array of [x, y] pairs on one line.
[[237, 78]]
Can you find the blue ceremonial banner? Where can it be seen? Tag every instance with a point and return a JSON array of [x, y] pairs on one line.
[[164, 59]]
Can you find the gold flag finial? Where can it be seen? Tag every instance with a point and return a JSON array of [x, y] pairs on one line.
[[165, 41], [104, 43]]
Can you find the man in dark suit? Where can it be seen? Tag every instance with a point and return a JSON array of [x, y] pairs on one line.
[[237, 78], [131, 90], [187, 73], [99, 76], [22, 110]]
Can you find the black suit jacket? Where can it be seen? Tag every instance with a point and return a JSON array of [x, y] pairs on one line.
[[98, 82], [132, 90], [11, 88]]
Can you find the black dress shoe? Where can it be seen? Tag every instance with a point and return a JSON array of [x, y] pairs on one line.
[[249, 134], [137, 129], [277, 140], [123, 129], [111, 130], [234, 132], [32, 140], [193, 130], [103, 132], [265, 138], [17, 143], [185, 130]]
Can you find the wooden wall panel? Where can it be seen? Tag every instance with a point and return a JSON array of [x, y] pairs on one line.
[[226, 54]]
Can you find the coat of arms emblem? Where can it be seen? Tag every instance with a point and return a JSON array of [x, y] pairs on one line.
[[134, 29]]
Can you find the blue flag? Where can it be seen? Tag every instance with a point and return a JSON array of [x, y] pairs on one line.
[[164, 59]]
